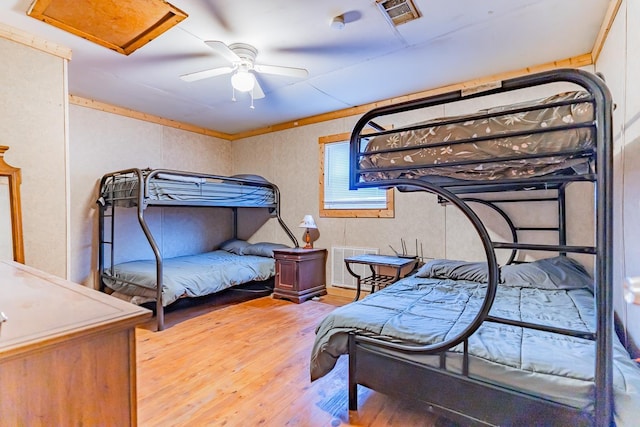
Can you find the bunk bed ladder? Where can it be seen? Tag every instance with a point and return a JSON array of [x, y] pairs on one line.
[[109, 213], [106, 211], [560, 229]]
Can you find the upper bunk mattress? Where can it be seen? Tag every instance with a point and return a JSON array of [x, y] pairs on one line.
[[178, 189], [500, 137]]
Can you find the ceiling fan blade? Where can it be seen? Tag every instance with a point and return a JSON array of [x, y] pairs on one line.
[[223, 50], [200, 75], [257, 90], [283, 71], [217, 14]]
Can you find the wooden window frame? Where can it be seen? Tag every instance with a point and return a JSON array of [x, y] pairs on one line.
[[388, 212]]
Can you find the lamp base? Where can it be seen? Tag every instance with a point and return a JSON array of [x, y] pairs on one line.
[[307, 240]]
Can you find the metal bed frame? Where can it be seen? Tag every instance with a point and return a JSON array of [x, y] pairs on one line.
[[139, 197], [459, 396]]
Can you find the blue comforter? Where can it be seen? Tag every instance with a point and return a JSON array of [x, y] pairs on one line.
[[191, 276], [425, 310]]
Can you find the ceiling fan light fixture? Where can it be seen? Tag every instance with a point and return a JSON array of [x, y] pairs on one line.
[[243, 81]]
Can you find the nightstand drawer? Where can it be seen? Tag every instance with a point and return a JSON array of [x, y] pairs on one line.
[[296, 257]]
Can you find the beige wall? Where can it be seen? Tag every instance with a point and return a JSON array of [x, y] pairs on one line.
[[290, 160], [32, 123], [102, 142], [620, 65]]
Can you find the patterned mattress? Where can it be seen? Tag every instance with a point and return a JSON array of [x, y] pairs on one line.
[[487, 146]]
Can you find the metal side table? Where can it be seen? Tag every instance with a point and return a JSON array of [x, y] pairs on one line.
[[377, 280]]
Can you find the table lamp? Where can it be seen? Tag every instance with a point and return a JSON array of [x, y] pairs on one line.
[[632, 290], [308, 223]]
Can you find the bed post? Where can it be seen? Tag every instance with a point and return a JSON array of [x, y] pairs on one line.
[[154, 246], [353, 384], [234, 211], [604, 259], [101, 208], [562, 217]]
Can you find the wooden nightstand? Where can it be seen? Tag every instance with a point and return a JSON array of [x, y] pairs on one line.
[[300, 273]]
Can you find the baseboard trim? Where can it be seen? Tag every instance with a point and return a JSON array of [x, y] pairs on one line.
[[344, 292]]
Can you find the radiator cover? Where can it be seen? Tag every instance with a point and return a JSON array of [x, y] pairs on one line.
[[339, 275]]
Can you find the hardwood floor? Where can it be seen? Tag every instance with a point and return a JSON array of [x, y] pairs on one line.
[[247, 364]]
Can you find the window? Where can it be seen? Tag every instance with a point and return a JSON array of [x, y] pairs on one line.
[[336, 200]]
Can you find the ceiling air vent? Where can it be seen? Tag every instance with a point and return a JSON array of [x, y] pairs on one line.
[[399, 11]]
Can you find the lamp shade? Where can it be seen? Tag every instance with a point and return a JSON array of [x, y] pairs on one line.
[[243, 81], [308, 222]]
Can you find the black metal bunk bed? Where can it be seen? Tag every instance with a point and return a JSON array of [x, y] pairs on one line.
[[141, 188], [385, 363]]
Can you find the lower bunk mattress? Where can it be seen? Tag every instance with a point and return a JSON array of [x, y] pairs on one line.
[[188, 276], [426, 310]]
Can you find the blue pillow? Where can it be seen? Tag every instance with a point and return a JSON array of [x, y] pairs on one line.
[[559, 272], [262, 249], [235, 246], [455, 270]]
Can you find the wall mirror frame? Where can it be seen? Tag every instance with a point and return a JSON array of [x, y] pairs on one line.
[[11, 176]]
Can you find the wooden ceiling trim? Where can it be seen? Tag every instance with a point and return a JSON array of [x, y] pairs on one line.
[[102, 106], [610, 16], [27, 39], [574, 62]]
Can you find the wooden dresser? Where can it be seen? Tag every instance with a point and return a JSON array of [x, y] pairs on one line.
[[67, 352]]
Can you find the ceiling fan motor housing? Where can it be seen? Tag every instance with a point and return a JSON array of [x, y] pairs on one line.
[[245, 52]]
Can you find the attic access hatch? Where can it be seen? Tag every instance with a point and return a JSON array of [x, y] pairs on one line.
[[120, 25]]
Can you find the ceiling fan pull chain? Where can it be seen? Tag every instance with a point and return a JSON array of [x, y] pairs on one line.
[[252, 107], [233, 94]]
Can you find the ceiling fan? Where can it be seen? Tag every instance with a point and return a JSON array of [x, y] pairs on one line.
[[242, 57]]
